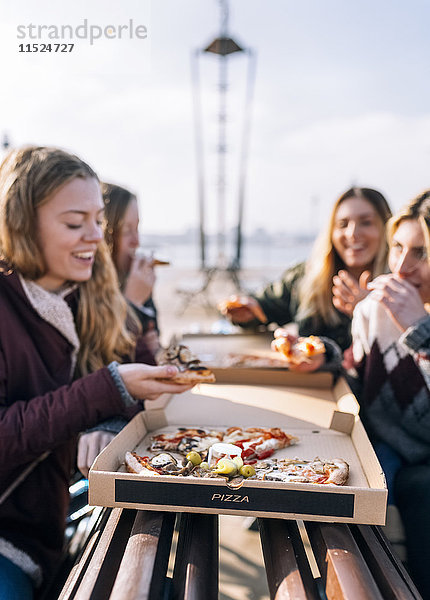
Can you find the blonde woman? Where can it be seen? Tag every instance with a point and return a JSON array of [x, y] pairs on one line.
[[62, 338], [319, 295], [391, 344]]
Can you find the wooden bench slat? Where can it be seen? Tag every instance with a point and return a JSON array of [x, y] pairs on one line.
[[101, 570], [341, 564], [289, 576], [390, 575], [127, 552], [78, 570], [146, 556], [195, 573]]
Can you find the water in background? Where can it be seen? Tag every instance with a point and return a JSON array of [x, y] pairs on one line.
[[270, 254]]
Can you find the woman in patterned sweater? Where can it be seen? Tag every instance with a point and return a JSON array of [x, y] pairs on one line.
[[391, 344], [391, 378]]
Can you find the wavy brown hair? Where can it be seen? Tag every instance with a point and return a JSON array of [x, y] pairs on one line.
[[324, 262], [28, 178], [116, 200]]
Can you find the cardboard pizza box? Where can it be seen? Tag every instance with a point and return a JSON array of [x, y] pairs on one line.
[[325, 419], [214, 349]]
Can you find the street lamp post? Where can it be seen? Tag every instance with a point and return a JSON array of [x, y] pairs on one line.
[[223, 46]]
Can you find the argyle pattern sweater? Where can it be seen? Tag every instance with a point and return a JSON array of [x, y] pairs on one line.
[[393, 370]]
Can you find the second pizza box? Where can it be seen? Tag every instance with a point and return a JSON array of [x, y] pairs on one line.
[[325, 419], [219, 352]]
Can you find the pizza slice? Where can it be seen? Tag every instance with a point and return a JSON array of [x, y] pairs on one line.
[[191, 371], [303, 350], [183, 440], [258, 443], [162, 463], [320, 471], [138, 464], [158, 262], [317, 471], [253, 361]]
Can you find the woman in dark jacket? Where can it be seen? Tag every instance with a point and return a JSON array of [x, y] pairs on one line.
[[62, 337], [319, 295]]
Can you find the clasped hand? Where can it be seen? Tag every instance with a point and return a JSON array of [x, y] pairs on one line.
[[400, 299]]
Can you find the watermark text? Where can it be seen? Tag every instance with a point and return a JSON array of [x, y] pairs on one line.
[[84, 31]]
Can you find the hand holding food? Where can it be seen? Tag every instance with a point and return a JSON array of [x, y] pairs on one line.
[[347, 291], [191, 371], [146, 382], [303, 354], [140, 281], [242, 309]]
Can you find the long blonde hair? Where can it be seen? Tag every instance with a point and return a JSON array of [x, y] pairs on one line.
[[417, 209], [315, 293], [28, 178]]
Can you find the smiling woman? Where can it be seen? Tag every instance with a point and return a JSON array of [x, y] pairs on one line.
[[70, 227], [319, 295], [64, 332]]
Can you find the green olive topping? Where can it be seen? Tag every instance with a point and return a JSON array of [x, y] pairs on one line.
[[225, 466], [194, 457], [238, 461], [205, 466], [247, 471]]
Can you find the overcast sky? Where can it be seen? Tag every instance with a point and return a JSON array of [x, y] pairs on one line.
[[341, 97]]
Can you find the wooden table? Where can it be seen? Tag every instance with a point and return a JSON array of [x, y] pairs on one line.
[[127, 553]]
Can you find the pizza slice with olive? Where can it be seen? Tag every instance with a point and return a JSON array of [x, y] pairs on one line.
[[189, 447], [191, 370]]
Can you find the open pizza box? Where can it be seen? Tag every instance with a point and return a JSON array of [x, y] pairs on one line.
[[325, 419], [261, 365]]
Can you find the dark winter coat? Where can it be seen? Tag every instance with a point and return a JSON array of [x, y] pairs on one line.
[[42, 409]]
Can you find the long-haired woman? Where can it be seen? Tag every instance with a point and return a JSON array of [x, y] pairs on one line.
[[391, 344], [135, 273], [62, 339], [319, 295]]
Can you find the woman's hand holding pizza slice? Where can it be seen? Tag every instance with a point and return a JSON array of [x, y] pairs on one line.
[[242, 309], [190, 370], [302, 354]]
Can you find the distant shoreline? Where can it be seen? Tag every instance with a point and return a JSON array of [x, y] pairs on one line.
[[270, 253]]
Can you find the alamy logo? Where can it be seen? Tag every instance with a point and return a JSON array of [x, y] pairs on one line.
[[85, 31]]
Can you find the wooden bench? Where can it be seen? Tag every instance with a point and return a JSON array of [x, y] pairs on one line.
[[127, 553]]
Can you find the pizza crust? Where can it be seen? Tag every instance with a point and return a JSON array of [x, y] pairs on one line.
[[339, 476], [133, 465], [192, 376]]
